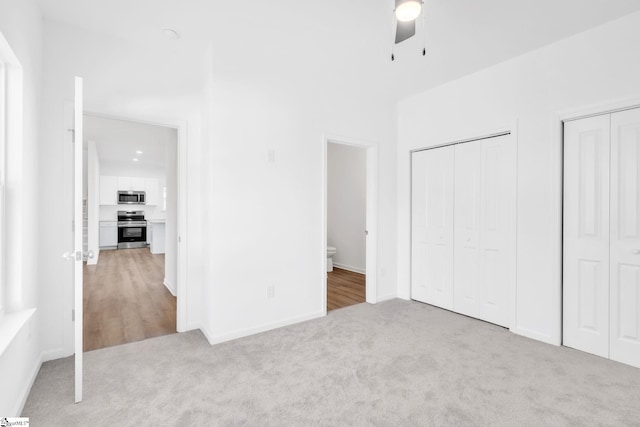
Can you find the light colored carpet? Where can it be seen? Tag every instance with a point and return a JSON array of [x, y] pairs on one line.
[[394, 363]]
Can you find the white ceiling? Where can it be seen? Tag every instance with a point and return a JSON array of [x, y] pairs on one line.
[[462, 36], [118, 140]]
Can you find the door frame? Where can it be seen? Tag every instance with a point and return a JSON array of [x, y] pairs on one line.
[[181, 208], [371, 276], [557, 248]]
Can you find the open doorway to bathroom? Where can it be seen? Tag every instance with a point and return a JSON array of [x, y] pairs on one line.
[[346, 225]]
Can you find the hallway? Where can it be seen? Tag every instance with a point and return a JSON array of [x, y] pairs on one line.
[[125, 299]]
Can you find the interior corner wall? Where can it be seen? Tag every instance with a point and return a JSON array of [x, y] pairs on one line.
[[21, 25], [598, 66], [347, 205], [266, 219]]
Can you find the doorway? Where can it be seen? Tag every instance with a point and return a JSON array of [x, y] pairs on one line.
[[349, 249], [130, 287]]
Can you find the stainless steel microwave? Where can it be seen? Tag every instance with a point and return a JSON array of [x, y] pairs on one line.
[[131, 197]]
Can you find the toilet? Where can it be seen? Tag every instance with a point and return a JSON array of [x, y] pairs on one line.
[[331, 251]]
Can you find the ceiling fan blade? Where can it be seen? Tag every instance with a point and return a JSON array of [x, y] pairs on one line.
[[405, 30]]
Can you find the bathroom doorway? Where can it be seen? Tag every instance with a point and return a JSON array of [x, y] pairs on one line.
[[350, 196]]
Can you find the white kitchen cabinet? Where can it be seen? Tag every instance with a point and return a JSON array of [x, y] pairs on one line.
[[108, 234], [125, 183], [152, 189], [157, 227], [137, 184], [128, 183], [108, 190]]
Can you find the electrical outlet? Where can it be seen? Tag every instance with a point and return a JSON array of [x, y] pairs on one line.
[[271, 291]]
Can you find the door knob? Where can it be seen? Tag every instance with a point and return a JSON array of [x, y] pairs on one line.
[[88, 255], [635, 251], [72, 256]]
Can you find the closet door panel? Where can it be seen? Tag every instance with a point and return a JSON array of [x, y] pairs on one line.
[[432, 227], [586, 235], [497, 228], [625, 237], [467, 229]]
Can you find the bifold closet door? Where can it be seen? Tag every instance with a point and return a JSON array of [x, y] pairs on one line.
[[484, 228], [432, 227], [586, 235], [624, 282]]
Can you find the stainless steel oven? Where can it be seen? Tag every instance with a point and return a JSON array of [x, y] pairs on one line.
[[132, 229]]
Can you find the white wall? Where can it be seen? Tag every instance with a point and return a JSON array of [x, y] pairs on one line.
[[122, 79], [171, 230], [598, 66], [266, 221], [20, 24], [347, 205]]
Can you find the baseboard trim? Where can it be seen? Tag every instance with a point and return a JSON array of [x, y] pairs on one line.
[[217, 339], [386, 297], [24, 393], [164, 282], [534, 335], [207, 335], [57, 353], [350, 268]]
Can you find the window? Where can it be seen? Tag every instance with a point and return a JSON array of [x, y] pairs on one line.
[[3, 135], [10, 173]]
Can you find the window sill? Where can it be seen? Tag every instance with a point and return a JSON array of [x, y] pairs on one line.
[[11, 325]]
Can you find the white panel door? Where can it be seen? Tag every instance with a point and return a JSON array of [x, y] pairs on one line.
[[432, 227], [625, 238], [497, 240], [586, 235], [466, 278]]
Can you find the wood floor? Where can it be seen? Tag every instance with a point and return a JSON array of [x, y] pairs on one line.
[[344, 288], [125, 299]]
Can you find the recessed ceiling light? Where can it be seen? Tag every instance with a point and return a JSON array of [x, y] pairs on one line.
[[138, 151], [170, 33], [135, 160]]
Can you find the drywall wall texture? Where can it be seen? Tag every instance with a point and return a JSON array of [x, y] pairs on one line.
[[526, 95], [20, 25], [285, 98], [347, 205]]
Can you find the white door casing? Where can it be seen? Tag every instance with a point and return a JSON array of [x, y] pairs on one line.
[[624, 282], [586, 235], [432, 226]]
